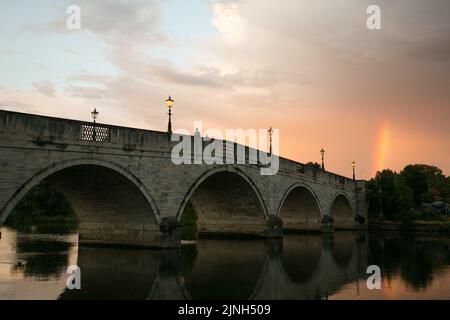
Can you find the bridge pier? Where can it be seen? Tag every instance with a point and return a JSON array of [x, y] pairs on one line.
[[166, 235], [274, 228], [241, 227]]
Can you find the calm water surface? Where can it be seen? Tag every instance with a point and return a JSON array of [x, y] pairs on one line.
[[299, 267]]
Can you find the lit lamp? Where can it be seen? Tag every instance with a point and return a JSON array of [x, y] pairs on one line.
[[322, 152], [169, 103], [353, 165]]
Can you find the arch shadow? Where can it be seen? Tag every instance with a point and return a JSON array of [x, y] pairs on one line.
[[213, 171], [57, 167], [301, 207], [227, 202], [342, 211]]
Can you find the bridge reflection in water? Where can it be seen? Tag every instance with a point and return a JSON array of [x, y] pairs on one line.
[[298, 267]]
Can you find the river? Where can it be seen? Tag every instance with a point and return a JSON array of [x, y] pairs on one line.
[[329, 266]]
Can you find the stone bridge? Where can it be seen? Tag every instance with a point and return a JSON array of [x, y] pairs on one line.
[[125, 189]]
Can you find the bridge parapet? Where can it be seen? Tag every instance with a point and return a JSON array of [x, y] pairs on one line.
[[40, 128], [317, 174], [43, 130]]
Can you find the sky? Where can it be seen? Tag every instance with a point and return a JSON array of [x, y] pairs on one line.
[[311, 69]]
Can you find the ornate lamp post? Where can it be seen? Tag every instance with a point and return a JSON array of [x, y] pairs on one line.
[[270, 140], [94, 117], [354, 165], [169, 103], [322, 152], [94, 114]]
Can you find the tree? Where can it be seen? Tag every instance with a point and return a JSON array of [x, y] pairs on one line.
[[403, 196], [389, 194], [387, 186], [416, 176], [445, 189], [41, 201], [395, 194], [381, 193], [314, 164], [373, 196]]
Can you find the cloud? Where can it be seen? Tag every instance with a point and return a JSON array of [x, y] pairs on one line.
[[10, 52], [89, 93], [46, 87], [15, 105], [310, 68], [124, 23], [436, 49], [71, 51], [228, 21]]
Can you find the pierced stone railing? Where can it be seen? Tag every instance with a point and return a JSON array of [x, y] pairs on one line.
[[95, 133]]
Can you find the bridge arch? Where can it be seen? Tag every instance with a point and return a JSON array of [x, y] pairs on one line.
[[226, 201], [341, 211], [113, 206], [300, 209]]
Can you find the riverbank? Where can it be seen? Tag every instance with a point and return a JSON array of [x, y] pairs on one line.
[[43, 223], [432, 226]]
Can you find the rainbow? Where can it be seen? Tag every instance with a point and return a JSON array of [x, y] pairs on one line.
[[381, 147]]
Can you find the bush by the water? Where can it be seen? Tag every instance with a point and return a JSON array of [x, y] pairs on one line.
[[43, 204]]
